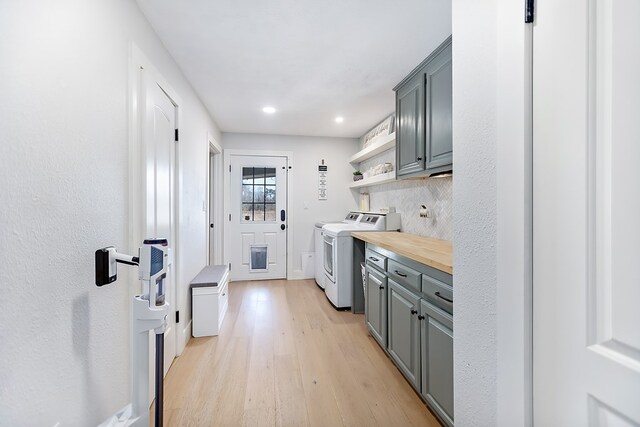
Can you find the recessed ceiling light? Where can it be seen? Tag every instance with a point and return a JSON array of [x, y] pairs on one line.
[[269, 110], [339, 119]]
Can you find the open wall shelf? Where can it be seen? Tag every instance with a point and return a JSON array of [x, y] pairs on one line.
[[374, 180], [383, 143]]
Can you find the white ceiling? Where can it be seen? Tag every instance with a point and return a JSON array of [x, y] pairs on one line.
[[312, 60]]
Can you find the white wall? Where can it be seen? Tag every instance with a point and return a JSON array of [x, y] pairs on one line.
[[303, 181], [64, 343], [492, 227], [474, 211]]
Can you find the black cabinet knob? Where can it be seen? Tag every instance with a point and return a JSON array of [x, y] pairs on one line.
[[421, 317], [414, 311], [380, 287], [418, 159]]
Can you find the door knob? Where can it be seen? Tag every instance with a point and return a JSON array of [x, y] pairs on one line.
[[282, 226]]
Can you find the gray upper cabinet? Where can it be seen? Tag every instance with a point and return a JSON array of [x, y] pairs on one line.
[[438, 111], [424, 143], [404, 331], [410, 130]]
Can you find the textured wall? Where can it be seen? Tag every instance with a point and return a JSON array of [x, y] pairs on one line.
[[474, 212], [64, 343], [407, 196]]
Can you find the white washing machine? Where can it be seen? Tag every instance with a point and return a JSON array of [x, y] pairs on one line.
[[351, 218], [338, 253]]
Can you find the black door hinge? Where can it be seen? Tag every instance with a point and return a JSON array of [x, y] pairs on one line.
[[229, 266], [176, 135], [229, 217], [229, 168], [529, 11], [177, 316]]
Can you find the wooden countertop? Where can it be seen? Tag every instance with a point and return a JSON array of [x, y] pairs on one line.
[[425, 250]]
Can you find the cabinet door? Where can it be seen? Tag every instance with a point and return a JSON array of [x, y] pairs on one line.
[[404, 331], [376, 305], [437, 360], [438, 111], [410, 126]]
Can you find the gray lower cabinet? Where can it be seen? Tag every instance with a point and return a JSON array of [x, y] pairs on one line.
[[436, 331], [376, 305], [404, 331]]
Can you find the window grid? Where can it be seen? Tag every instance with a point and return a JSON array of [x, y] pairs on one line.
[[258, 194]]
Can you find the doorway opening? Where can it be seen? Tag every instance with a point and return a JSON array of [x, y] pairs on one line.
[[214, 205]]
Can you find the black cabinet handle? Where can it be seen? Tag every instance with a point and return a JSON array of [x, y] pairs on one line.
[[282, 216], [400, 274], [414, 311], [374, 259], [380, 287], [444, 298], [421, 317]]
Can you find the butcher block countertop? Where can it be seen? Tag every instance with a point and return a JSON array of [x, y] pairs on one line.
[[425, 250]]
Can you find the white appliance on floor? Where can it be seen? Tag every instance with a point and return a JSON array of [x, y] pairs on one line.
[[338, 253], [351, 218]]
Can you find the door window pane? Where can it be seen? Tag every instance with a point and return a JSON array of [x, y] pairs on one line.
[[270, 194], [247, 211], [270, 176], [258, 212], [258, 194], [247, 193], [269, 212]]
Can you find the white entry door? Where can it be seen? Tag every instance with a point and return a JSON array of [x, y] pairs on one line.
[[586, 262], [258, 217], [160, 218]]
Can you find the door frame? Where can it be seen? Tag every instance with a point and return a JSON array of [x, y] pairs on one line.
[[514, 216], [215, 169], [227, 199], [136, 226]]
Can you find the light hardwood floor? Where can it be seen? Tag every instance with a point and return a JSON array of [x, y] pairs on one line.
[[286, 357]]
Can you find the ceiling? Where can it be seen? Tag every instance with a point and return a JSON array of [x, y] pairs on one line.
[[312, 60]]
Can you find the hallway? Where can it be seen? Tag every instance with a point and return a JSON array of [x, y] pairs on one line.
[[286, 357]]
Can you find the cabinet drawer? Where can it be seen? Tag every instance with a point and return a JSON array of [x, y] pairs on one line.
[[376, 259], [438, 293], [404, 275]]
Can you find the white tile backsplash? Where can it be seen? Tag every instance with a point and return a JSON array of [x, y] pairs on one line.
[[409, 194]]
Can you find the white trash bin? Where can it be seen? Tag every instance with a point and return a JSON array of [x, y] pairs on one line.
[[210, 299]]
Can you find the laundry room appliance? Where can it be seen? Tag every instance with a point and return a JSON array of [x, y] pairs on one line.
[[338, 253], [351, 218]]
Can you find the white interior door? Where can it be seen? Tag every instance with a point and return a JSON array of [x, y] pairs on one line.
[[160, 146], [586, 203], [258, 198]]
